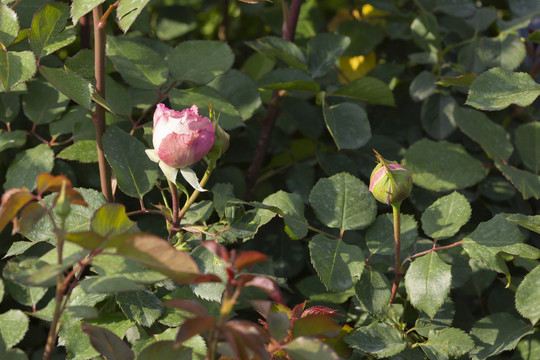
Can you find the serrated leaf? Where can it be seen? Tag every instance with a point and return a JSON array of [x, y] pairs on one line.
[[200, 60], [527, 183], [448, 341], [288, 79], [139, 65], [380, 236], [323, 50], [306, 348], [343, 201], [70, 84], [379, 339], [428, 281], [48, 34], [506, 51], [107, 264], [27, 165], [527, 140], [16, 67], [437, 116], [529, 222], [497, 333], [9, 25], [425, 325], [459, 8], [128, 11], [112, 284], [84, 151], [461, 80], [291, 209], [491, 136], [498, 88], [166, 349], [79, 8], [492, 237], [446, 216], [208, 262], [107, 343], [373, 290], [142, 307], [367, 89], [527, 295], [13, 327], [282, 49], [42, 103], [348, 124], [442, 166], [338, 264], [135, 173]]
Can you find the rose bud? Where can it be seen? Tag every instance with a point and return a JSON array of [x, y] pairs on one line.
[[390, 183], [181, 138]]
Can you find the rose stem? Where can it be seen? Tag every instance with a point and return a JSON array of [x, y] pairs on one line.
[[397, 260]]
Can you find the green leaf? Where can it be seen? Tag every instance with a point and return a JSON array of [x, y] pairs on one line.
[[459, 8], [139, 65], [529, 222], [229, 117], [118, 98], [288, 79], [461, 80], [282, 49], [111, 219], [425, 32], [291, 208], [446, 216], [14, 354], [12, 139], [442, 166], [112, 284], [69, 84], [506, 51], [142, 307], [135, 173], [166, 350], [107, 343], [497, 333], [527, 139], [9, 107], [307, 348], [344, 202], [373, 290], [448, 341], [79, 8], [527, 295], [84, 151], [364, 36], [27, 165], [209, 263], [43, 103], [379, 339], [426, 325], [323, 50], [437, 116], [498, 88], [16, 68], [367, 89], [48, 34], [423, 86], [380, 236], [13, 327], [492, 237], [428, 281], [527, 183], [9, 25], [128, 11], [23, 294], [107, 264], [200, 60], [239, 90], [348, 124], [491, 136], [339, 265]]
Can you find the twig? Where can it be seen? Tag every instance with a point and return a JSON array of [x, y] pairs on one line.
[[431, 250]]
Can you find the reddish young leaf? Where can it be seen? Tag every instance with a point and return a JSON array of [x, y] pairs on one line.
[[48, 182], [267, 285], [248, 259], [320, 310], [30, 215], [297, 311], [191, 306], [246, 335], [215, 248], [13, 201], [339, 345], [75, 198], [194, 326]]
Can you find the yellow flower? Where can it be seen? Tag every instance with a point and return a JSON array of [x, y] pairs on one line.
[[354, 67]]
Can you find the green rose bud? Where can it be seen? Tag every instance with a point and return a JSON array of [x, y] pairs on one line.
[[390, 183]]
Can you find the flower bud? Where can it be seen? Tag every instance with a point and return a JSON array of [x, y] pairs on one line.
[[181, 138], [390, 183]]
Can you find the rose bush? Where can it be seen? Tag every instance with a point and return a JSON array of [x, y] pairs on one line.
[[390, 183]]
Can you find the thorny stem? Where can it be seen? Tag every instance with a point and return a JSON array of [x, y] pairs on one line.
[[397, 245], [99, 114], [175, 221]]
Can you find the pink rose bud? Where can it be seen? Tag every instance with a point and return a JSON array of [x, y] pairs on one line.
[[181, 138], [390, 183]]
